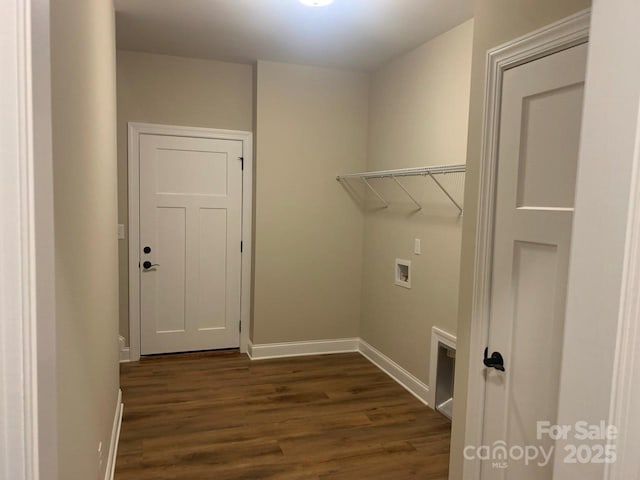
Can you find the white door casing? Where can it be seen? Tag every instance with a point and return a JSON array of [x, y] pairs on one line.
[[601, 360], [537, 159], [554, 38], [28, 405], [194, 220]]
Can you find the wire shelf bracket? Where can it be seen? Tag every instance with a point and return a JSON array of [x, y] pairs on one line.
[[366, 182], [407, 192], [445, 192]]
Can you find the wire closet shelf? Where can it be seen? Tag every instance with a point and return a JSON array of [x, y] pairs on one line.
[[431, 172]]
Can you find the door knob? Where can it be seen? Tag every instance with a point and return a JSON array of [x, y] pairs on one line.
[[494, 361], [147, 265]]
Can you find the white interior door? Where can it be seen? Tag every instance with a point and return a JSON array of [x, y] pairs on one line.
[[538, 151], [190, 233]]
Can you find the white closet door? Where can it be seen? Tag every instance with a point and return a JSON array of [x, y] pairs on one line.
[[539, 138], [190, 225]]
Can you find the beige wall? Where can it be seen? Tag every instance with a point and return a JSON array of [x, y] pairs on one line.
[[311, 125], [419, 108], [174, 91], [85, 203], [496, 22]]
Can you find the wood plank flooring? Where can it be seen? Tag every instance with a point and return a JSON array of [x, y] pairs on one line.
[[218, 415]]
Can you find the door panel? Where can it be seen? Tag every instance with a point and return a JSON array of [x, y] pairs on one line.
[[212, 269], [190, 217], [169, 285], [549, 155], [537, 159], [206, 175]]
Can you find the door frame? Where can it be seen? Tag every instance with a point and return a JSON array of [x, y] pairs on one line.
[[135, 131], [567, 33], [28, 387], [625, 391]]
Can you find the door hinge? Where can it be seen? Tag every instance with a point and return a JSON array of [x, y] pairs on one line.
[[242, 163], [240, 326], [241, 246]]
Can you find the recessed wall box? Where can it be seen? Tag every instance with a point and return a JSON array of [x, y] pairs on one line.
[[403, 273]]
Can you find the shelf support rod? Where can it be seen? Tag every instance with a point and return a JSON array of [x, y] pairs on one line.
[[366, 182], [445, 192], [407, 192]]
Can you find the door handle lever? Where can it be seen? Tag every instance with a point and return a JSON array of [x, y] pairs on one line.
[[147, 265], [494, 361]]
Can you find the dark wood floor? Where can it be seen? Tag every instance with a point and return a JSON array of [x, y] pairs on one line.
[[221, 416]]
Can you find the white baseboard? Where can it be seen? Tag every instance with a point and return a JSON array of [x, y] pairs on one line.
[[115, 438], [124, 351], [299, 349], [344, 345], [410, 383]]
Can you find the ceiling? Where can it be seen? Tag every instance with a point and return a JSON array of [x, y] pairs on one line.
[[355, 34]]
